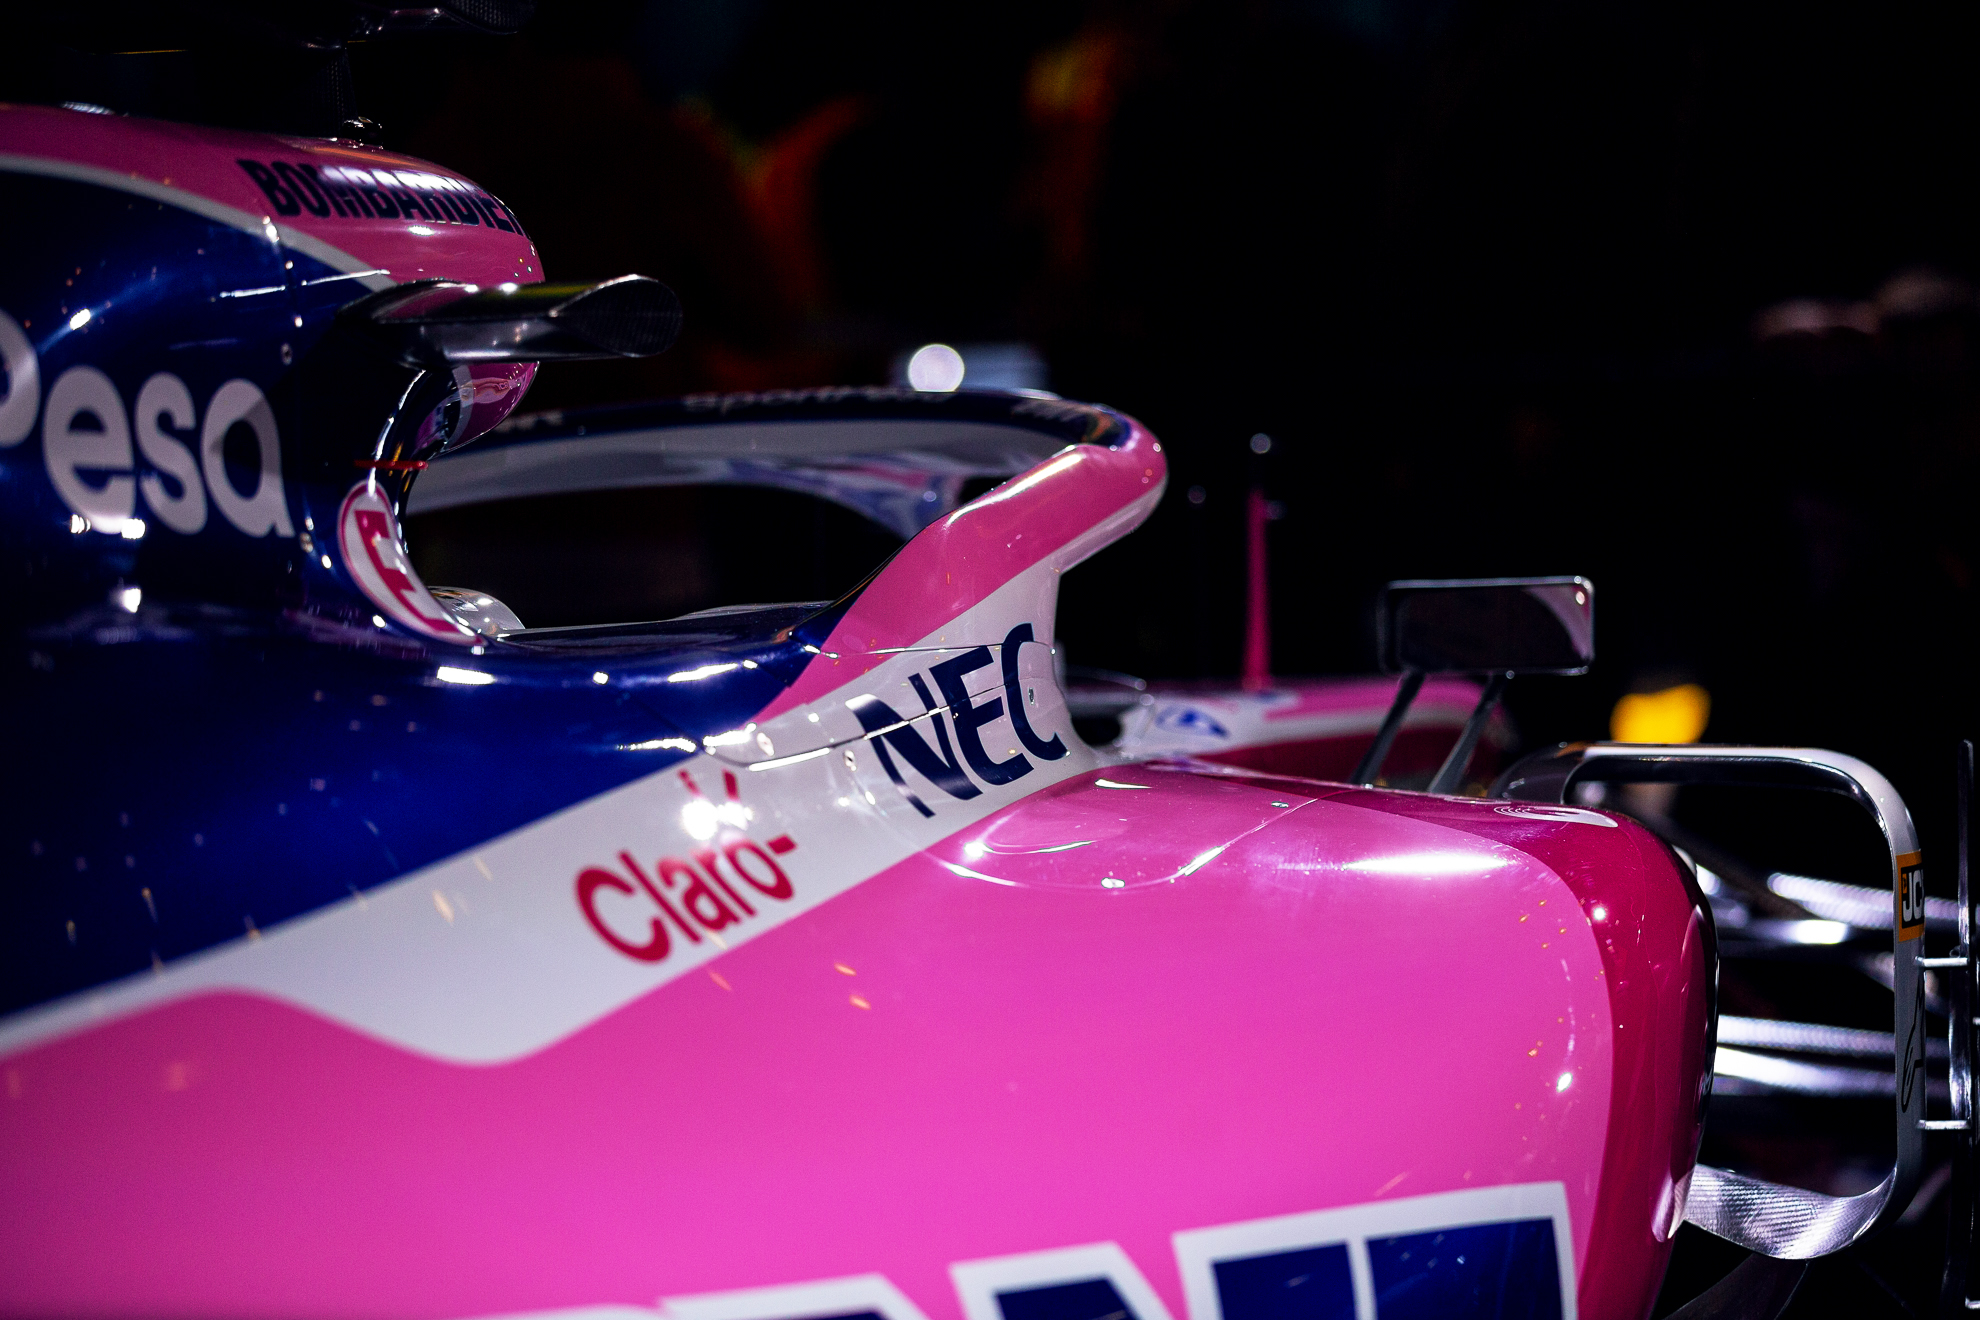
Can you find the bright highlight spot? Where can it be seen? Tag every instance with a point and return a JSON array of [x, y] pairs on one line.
[[698, 819], [1565, 1081], [1201, 860], [1111, 883], [1674, 715], [133, 529], [1108, 783], [471, 677], [130, 598], [78, 524], [935, 369], [782, 761], [1429, 863], [658, 744], [601, 677], [81, 319], [1815, 932], [705, 671], [968, 874], [421, 230], [1600, 914]]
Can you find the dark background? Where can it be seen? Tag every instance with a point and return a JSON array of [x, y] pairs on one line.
[[1675, 296]]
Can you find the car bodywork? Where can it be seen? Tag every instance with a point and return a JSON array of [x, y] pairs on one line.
[[771, 962]]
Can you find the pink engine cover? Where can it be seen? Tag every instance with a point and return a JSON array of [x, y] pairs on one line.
[[986, 1049]]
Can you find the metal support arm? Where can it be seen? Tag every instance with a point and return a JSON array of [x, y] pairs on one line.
[[1773, 1219]]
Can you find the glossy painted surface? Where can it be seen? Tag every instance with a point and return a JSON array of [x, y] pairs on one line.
[[1318, 728], [353, 965], [179, 417], [1650, 924], [987, 1029], [357, 208]]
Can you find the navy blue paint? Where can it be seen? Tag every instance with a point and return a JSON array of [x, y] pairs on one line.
[[151, 277], [244, 770], [1089, 1299], [1505, 1270], [250, 746], [1311, 1283]]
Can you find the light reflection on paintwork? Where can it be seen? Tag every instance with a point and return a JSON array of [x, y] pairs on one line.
[[1429, 864]]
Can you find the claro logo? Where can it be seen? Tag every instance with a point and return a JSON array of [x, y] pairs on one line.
[[87, 435], [724, 882]]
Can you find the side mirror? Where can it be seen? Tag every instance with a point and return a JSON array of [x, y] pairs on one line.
[[1488, 625], [1495, 626]]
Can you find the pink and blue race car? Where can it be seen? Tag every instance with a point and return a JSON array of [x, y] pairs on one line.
[[366, 952]]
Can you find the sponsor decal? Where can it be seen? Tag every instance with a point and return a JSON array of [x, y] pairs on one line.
[[861, 1297], [1569, 815], [23, 401], [1189, 719], [890, 734], [1071, 1283], [374, 552], [355, 193], [1483, 1251], [1910, 895], [90, 443], [725, 883]]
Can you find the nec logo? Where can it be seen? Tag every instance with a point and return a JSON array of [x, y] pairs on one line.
[[890, 733]]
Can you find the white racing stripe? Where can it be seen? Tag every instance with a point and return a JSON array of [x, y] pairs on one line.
[[488, 956]]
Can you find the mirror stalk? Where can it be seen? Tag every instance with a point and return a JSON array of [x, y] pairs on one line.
[[1451, 774], [1378, 751]]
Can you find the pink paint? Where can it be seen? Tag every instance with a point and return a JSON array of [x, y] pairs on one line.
[[1651, 935], [1331, 696], [1257, 671], [931, 1067], [1414, 752], [1060, 511], [205, 163]]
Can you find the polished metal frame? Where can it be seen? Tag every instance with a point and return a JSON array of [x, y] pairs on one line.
[[1776, 1219]]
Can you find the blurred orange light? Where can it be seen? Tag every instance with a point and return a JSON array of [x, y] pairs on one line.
[[1673, 715]]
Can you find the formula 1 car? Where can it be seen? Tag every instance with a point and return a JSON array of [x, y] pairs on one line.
[[368, 952]]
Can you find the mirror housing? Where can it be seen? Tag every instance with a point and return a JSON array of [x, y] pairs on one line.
[[1543, 625], [437, 324]]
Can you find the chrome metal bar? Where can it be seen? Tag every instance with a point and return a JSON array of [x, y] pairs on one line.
[[1803, 1037], [1859, 905], [1956, 1283], [1774, 1219], [1803, 1078]]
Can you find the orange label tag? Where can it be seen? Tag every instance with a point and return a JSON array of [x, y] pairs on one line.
[[1910, 895]]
